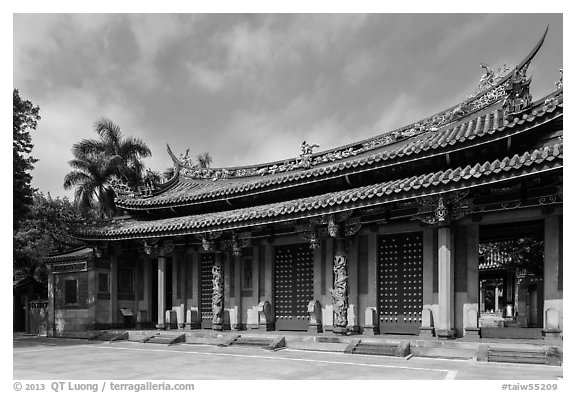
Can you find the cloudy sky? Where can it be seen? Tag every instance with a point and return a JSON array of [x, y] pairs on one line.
[[250, 88]]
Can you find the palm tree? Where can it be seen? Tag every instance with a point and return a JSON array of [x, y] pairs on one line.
[[130, 151], [204, 160], [91, 178]]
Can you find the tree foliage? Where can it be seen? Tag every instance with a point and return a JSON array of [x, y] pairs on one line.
[[25, 117], [44, 230], [99, 162], [111, 144]]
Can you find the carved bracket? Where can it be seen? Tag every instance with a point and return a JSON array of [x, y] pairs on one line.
[[443, 208]]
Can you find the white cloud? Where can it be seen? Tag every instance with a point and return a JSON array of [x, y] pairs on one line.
[[205, 77]]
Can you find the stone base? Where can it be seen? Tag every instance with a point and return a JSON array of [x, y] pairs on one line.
[[266, 327], [340, 330], [445, 334], [217, 327], [160, 326], [327, 328], [553, 335], [238, 326], [427, 331], [314, 328], [371, 330], [472, 333], [252, 326]]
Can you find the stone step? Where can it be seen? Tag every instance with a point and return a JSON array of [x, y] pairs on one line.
[[252, 341], [110, 336], [166, 339], [374, 349], [517, 359], [317, 346]]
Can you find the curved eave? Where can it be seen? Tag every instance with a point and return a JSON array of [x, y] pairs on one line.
[[466, 135], [532, 163], [501, 82]]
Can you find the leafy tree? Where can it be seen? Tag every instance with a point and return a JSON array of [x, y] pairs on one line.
[[204, 160], [92, 179], [44, 230], [25, 117], [111, 143], [99, 162]]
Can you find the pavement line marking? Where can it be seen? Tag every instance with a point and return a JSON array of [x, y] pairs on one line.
[[278, 358], [451, 375]]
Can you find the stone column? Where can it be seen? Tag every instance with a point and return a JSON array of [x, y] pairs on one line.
[[445, 328], [428, 306], [195, 312], [340, 293], [371, 317], [161, 292], [113, 289], [51, 331], [238, 267], [553, 304], [217, 294]]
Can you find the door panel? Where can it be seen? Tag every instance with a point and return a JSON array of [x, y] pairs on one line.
[[400, 283], [294, 286], [207, 261]]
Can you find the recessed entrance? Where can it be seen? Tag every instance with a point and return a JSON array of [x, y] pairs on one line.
[[511, 274]]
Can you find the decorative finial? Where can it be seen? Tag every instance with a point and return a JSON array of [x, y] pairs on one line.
[[559, 82]]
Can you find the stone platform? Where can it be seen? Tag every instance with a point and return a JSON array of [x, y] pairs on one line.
[[482, 349]]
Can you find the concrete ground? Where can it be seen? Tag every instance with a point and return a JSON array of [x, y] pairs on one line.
[[57, 358]]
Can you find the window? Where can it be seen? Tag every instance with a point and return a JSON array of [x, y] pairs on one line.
[[71, 291], [103, 283]]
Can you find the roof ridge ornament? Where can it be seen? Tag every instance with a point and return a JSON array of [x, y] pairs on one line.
[[559, 83]]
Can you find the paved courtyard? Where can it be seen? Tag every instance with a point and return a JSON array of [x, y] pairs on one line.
[[50, 358]]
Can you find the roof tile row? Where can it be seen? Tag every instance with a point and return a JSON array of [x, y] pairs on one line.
[[187, 191], [389, 191]]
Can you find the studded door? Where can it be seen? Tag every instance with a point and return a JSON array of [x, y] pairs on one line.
[[400, 283], [294, 286], [207, 261]]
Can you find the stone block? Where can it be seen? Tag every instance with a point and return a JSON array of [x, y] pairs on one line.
[[328, 318], [252, 318], [470, 314], [352, 319], [171, 319], [315, 313], [371, 326]]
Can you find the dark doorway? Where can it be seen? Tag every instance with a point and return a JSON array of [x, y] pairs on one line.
[[511, 274]]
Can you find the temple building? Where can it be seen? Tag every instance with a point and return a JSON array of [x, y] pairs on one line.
[[447, 227]]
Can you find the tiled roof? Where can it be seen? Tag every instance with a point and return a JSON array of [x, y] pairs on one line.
[[477, 130], [74, 255], [533, 162]]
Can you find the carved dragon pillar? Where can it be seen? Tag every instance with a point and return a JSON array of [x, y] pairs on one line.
[[217, 296], [340, 293]]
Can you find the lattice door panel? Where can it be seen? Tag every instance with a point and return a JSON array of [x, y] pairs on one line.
[[207, 261], [294, 286], [400, 283]]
